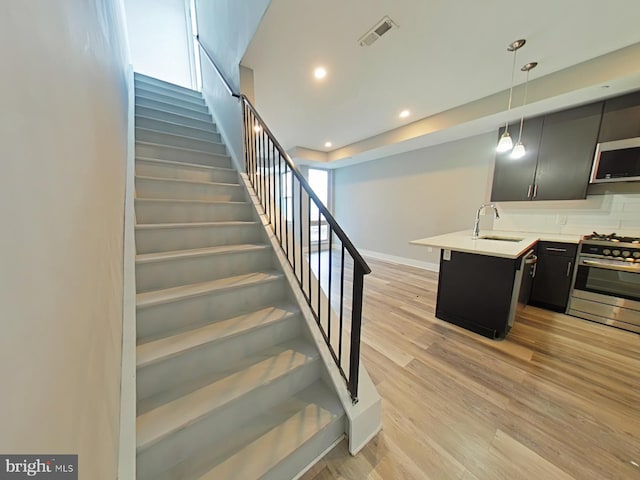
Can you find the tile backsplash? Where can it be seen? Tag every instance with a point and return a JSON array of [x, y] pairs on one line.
[[614, 208]]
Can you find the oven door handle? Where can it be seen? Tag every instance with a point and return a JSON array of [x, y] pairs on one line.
[[634, 268]]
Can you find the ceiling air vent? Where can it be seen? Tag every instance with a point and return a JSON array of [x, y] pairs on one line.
[[379, 29]]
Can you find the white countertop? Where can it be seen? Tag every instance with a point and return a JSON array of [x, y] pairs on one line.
[[462, 242]]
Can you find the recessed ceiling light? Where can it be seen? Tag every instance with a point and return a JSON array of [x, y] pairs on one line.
[[404, 113], [328, 144], [320, 73]]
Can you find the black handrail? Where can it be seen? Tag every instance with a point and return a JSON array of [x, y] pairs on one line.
[[225, 82], [264, 162]]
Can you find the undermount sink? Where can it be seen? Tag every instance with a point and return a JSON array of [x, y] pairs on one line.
[[499, 239]]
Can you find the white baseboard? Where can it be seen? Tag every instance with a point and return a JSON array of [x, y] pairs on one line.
[[433, 267]]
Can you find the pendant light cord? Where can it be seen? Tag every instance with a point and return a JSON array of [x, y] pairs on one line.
[[524, 102], [513, 72]]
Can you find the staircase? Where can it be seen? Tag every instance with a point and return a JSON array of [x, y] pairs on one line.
[[229, 383]]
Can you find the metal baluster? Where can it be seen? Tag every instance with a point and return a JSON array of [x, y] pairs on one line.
[[248, 135], [330, 271], [255, 155], [268, 170], [273, 184], [263, 170], [244, 138], [251, 144], [256, 171], [319, 262], [309, 242], [301, 279], [356, 326], [255, 159], [248, 140], [289, 204], [267, 178], [280, 196], [341, 307], [258, 180]]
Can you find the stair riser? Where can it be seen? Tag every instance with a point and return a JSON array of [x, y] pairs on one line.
[[161, 152], [146, 168], [308, 452], [167, 103], [175, 129], [188, 95], [198, 114], [183, 443], [186, 101], [188, 191], [178, 141], [166, 212], [175, 118], [142, 80], [154, 321], [184, 271], [166, 239], [211, 358]]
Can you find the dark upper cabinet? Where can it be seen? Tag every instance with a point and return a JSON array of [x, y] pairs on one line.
[[621, 118], [514, 179], [566, 153], [554, 272], [560, 150]]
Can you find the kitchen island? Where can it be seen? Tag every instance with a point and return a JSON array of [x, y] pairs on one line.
[[484, 283]]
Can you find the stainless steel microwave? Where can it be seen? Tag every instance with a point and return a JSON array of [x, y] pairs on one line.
[[617, 161]]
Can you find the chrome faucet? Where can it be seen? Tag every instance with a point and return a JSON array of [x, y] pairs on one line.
[[476, 225]]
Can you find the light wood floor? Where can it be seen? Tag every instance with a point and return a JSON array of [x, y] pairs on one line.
[[559, 398]]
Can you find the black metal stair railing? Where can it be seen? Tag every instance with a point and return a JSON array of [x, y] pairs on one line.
[[329, 269], [322, 257]]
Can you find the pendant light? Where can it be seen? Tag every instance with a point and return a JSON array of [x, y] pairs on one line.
[[519, 151], [505, 144]]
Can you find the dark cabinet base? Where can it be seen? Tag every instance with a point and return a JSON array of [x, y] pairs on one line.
[[554, 274], [476, 291]]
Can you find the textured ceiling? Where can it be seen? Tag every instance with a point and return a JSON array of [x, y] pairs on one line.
[[444, 54]]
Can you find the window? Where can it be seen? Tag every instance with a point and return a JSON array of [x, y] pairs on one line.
[[196, 73]]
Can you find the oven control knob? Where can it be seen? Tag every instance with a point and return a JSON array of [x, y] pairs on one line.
[[616, 253], [626, 253], [636, 254], [606, 251]]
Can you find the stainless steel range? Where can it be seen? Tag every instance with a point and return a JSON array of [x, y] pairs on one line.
[[606, 285]]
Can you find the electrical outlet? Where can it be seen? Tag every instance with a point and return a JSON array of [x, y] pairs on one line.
[[429, 249], [561, 219]]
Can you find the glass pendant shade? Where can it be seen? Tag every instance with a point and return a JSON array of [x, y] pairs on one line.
[[505, 144], [518, 151]]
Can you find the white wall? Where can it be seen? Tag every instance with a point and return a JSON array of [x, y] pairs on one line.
[[226, 27], [63, 131], [385, 203], [159, 34]]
